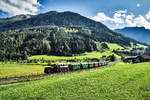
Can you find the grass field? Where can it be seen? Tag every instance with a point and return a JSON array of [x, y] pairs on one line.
[[119, 82], [114, 46], [15, 70]]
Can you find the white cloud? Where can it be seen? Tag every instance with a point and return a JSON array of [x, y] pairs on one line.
[[141, 21], [138, 5], [122, 19], [148, 15], [101, 17], [16, 7]]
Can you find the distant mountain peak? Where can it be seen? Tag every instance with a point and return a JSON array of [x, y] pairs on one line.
[[139, 33], [134, 27], [51, 12], [70, 12], [15, 18]]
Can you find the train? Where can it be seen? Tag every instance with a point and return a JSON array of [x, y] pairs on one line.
[[62, 67]]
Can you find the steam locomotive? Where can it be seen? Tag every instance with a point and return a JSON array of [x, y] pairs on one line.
[[62, 67]]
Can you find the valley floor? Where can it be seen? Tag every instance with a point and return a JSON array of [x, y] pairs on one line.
[[14, 69], [119, 82]]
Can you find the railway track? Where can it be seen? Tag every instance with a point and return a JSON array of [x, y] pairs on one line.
[[27, 78]]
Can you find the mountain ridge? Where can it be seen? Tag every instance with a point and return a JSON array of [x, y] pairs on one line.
[[14, 19], [39, 20], [139, 33]]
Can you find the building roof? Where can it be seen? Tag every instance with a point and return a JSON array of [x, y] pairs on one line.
[[132, 57], [146, 57]]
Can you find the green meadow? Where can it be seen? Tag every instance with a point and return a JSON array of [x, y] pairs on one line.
[[87, 55], [118, 82]]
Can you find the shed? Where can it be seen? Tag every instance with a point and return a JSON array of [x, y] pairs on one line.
[[137, 59]]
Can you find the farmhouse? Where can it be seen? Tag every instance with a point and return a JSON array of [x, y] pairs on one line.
[[94, 60], [137, 59]]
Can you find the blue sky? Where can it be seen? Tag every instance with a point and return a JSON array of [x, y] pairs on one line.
[[91, 7], [113, 13]]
